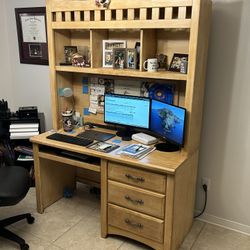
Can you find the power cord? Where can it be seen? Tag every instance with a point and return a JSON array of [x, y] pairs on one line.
[[204, 186]]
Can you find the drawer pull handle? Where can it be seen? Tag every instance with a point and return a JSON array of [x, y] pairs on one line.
[[136, 202], [136, 179], [133, 224]]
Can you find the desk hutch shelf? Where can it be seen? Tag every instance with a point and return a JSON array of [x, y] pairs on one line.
[[161, 26]]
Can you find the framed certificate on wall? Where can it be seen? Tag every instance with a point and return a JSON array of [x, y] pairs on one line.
[[32, 35]]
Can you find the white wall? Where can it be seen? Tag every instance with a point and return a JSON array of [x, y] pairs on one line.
[[225, 147], [30, 82], [5, 73]]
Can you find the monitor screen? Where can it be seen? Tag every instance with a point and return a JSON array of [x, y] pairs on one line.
[[125, 110], [168, 121]]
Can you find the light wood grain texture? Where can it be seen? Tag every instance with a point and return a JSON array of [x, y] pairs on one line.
[[39, 201], [182, 13], [198, 50], [128, 24], [137, 223], [143, 13], [68, 16], [104, 198], [184, 199], [57, 5], [139, 200], [168, 13], [68, 161], [131, 14], [137, 177], [166, 162], [155, 13], [124, 72], [54, 177], [96, 38], [59, 16], [107, 15], [146, 241], [97, 15], [77, 16]]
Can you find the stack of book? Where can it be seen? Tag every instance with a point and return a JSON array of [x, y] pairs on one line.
[[23, 130], [137, 151]]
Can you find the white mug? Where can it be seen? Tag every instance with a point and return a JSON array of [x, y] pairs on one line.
[[152, 65]]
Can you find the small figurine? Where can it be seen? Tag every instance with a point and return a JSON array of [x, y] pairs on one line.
[[102, 3]]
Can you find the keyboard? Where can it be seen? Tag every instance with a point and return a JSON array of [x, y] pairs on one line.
[[96, 135], [70, 139]]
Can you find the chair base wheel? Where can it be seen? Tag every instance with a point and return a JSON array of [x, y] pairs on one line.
[[24, 247]]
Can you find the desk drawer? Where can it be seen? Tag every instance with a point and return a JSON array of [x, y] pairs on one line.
[[136, 199], [137, 177], [140, 224]]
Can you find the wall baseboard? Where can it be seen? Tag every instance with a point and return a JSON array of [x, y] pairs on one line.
[[232, 225]]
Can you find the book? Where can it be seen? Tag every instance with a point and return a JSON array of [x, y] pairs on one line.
[[26, 135], [104, 147], [25, 158], [24, 125], [20, 130]]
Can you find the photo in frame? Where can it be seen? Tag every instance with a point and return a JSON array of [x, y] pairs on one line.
[[69, 51], [179, 63], [131, 58], [32, 35], [108, 46], [119, 58]]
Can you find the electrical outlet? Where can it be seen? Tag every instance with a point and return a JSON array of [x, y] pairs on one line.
[[206, 181]]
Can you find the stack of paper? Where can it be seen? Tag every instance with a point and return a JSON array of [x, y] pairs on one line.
[[23, 130], [137, 151]]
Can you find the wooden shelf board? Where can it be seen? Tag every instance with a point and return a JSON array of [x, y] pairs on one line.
[[124, 72], [125, 24]]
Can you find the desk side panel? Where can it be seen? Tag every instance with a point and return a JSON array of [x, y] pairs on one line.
[[184, 199]]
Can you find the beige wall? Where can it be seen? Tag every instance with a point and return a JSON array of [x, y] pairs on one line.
[[225, 147], [30, 83], [5, 65]]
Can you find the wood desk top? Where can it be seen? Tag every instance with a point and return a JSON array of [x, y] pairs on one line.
[[163, 162]]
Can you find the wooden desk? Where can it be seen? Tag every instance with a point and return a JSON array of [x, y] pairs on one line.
[[149, 200]]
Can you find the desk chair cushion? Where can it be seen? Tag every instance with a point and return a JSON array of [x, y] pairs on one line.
[[14, 184]]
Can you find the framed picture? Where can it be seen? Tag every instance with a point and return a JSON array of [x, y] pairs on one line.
[[119, 58], [177, 63], [32, 35], [108, 46], [69, 51], [131, 58]]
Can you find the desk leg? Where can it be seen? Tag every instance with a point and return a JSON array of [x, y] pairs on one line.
[[104, 198], [40, 208]]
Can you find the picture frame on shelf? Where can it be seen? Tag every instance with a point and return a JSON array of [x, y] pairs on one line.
[[119, 55], [108, 46], [177, 63], [69, 51], [131, 58], [32, 35]]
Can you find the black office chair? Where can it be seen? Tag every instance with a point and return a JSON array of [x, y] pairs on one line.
[[14, 185]]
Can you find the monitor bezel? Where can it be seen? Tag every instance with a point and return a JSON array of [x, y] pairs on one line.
[[132, 96], [160, 135]]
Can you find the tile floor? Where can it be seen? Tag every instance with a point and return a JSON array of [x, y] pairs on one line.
[[73, 224]]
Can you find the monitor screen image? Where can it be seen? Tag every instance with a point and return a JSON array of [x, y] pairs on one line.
[[168, 121], [125, 110]]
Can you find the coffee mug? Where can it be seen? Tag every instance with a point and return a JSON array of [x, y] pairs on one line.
[[152, 65]]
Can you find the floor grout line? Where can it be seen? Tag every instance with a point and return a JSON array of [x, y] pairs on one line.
[[198, 236]]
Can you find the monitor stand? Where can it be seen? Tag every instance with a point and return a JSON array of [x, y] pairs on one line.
[[167, 147], [125, 133]]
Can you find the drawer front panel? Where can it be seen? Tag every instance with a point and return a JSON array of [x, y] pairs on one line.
[[137, 177], [136, 199], [143, 225]]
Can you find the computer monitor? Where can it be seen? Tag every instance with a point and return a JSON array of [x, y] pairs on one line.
[[168, 122], [128, 111]]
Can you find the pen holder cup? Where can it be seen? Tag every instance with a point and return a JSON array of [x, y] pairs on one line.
[[67, 120]]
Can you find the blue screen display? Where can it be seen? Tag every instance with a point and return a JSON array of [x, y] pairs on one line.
[[127, 110], [168, 121]]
